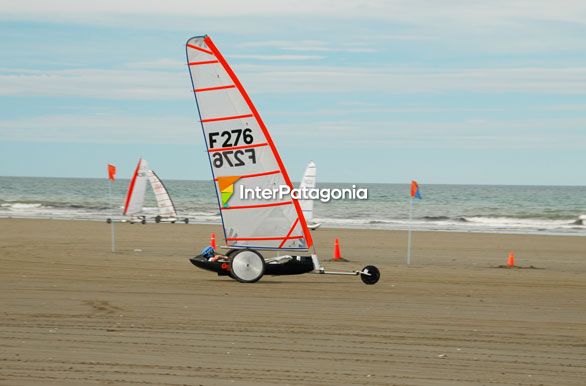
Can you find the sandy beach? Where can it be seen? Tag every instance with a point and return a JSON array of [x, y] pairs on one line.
[[73, 313]]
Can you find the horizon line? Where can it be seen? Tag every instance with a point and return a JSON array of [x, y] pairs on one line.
[[327, 182]]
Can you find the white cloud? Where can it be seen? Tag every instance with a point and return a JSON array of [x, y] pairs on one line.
[[140, 84], [311, 46], [305, 79], [552, 133], [477, 13], [565, 107], [158, 64], [348, 109], [102, 128], [474, 133], [96, 83], [276, 57], [321, 26]]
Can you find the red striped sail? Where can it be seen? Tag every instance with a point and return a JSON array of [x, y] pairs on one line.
[[242, 154], [136, 189]]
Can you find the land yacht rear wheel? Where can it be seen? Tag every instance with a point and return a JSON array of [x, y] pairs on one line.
[[247, 266]]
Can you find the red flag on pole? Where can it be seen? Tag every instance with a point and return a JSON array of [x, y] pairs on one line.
[[111, 172]]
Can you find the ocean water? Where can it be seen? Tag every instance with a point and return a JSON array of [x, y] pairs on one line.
[[468, 208]]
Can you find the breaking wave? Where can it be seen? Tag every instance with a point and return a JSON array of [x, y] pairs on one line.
[[20, 205]]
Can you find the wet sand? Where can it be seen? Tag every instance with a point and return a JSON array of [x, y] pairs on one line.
[[73, 313]]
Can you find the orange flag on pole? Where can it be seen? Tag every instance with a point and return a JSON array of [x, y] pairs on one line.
[[415, 193], [112, 177], [111, 172]]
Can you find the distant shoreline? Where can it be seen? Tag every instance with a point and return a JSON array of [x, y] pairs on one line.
[[445, 208]]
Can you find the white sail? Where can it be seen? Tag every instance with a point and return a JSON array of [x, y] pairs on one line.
[[166, 207], [136, 190], [242, 154], [308, 182]]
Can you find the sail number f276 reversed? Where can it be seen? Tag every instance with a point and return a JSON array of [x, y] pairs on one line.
[[233, 158]]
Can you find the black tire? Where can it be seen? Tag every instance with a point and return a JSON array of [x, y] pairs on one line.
[[186, 220], [172, 222], [143, 221], [373, 277], [231, 252], [158, 219], [109, 220], [247, 266]]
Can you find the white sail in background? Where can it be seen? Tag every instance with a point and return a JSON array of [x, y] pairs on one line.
[[308, 181], [136, 190], [166, 207], [242, 154]]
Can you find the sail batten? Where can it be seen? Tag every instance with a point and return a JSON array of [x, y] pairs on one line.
[[203, 62], [227, 118], [214, 88], [257, 174], [242, 155], [258, 205], [200, 49], [238, 147]]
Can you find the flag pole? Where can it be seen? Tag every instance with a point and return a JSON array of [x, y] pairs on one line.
[[112, 218], [410, 230]]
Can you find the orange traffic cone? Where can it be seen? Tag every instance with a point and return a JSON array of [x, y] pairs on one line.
[[511, 261], [213, 241], [337, 254]]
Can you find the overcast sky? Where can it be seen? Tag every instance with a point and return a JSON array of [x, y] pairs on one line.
[[472, 92]]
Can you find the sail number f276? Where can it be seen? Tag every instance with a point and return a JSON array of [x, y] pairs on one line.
[[231, 138]]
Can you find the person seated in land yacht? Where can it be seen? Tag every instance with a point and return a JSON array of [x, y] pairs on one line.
[[210, 254]]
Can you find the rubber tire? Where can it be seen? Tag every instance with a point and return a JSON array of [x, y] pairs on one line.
[[230, 254], [186, 220], [158, 219], [374, 275], [109, 221], [143, 221], [240, 266]]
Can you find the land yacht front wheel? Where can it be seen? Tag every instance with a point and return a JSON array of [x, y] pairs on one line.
[[370, 275]]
